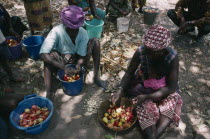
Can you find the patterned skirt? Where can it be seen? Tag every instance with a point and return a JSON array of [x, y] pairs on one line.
[[39, 14], [149, 112]]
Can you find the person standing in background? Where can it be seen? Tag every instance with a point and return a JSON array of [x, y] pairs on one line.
[[39, 14], [11, 26]]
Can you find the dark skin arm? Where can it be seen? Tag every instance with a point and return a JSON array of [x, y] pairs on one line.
[[93, 7], [49, 60], [128, 76], [171, 84], [80, 62], [131, 70]]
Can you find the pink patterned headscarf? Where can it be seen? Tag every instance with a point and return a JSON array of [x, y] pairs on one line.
[[157, 38]]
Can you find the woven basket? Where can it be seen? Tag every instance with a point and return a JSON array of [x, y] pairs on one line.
[[106, 105]]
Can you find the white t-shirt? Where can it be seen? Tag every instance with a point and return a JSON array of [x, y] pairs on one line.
[[2, 38]]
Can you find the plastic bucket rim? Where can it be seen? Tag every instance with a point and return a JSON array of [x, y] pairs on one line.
[[128, 19], [45, 121], [30, 37], [150, 8], [14, 37], [94, 25]]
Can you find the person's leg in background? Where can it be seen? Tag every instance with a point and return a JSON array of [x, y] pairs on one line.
[[203, 31], [173, 16], [94, 50]]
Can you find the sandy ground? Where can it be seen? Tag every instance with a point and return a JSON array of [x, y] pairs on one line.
[[75, 117]]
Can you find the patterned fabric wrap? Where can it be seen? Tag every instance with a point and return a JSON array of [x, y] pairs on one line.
[[149, 112], [157, 38], [122, 4], [72, 16], [39, 14]]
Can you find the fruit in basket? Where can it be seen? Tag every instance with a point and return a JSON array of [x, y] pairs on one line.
[[27, 110], [12, 42], [71, 74], [118, 118], [110, 125], [71, 78], [109, 110], [106, 114], [88, 17], [46, 113], [105, 120], [114, 115], [33, 116]]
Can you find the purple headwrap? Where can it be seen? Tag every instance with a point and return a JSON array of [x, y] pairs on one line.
[[72, 16]]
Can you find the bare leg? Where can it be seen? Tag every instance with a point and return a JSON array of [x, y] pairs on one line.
[[150, 132], [95, 50], [48, 80], [162, 124]]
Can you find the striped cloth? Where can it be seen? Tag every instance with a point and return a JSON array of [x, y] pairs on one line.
[[39, 14]]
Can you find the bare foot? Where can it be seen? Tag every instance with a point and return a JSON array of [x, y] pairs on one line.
[[100, 83]]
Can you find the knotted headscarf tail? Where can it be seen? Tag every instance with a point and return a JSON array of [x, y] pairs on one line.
[[72, 16], [157, 38]]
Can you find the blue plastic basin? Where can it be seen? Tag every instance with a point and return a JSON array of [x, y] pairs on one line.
[[28, 101], [33, 45]]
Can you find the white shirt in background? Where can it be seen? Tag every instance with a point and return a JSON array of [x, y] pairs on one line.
[[2, 38]]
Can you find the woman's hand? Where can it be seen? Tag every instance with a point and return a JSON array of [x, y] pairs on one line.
[[139, 100], [86, 9], [78, 67], [183, 27], [115, 97]]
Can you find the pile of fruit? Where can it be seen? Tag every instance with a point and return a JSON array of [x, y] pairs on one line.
[[88, 17], [12, 42], [71, 75], [71, 78], [118, 118], [33, 116]]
